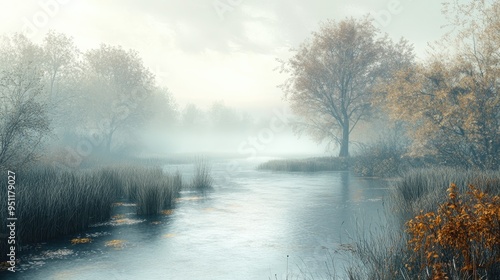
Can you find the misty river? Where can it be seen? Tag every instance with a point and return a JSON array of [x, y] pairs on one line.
[[242, 229]]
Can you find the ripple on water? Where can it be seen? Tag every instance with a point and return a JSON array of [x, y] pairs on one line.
[[39, 260], [189, 198], [97, 234], [60, 253], [120, 222]]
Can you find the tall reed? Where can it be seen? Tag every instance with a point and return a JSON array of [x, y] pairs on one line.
[[51, 203], [202, 179], [156, 191]]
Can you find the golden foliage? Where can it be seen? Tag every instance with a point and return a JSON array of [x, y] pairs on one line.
[[465, 227], [452, 99], [332, 76]]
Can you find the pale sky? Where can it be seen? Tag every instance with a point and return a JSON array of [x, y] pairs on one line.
[[215, 50]]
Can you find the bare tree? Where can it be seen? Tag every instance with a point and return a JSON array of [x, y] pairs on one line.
[[117, 86], [332, 77], [61, 80], [23, 119], [59, 54]]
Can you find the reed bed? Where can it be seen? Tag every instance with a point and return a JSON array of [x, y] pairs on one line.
[[51, 203], [156, 191], [202, 179], [424, 189]]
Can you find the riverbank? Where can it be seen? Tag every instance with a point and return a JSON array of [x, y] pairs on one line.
[[246, 225], [362, 165], [434, 230], [50, 203]]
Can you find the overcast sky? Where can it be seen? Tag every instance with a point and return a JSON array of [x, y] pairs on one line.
[[215, 50]]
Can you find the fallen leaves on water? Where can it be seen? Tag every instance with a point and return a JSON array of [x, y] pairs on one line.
[[81, 240]]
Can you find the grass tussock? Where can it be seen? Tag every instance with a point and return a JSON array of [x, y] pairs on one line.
[[156, 191], [202, 180]]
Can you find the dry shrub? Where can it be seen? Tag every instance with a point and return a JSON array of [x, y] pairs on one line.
[[462, 238]]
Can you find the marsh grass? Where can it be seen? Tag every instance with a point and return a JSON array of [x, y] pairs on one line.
[[202, 180], [51, 203], [306, 165], [383, 158], [376, 252], [425, 189], [157, 191]]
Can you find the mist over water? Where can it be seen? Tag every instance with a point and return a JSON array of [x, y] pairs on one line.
[[230, 139], [233, 144]]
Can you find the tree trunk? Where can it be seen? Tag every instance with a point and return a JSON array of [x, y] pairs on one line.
[[108, 142], [344, 145]]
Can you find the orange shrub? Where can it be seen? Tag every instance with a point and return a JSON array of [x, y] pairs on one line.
[[464, 234]]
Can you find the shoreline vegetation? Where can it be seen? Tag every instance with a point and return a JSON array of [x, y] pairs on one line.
[[365, 166], [386, 157], [53, 202], [401, 247], [442, 223]]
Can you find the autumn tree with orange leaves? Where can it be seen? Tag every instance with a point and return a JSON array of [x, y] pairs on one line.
[[453, 100]]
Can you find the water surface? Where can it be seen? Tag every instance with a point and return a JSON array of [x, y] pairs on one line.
[[243, 229]]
